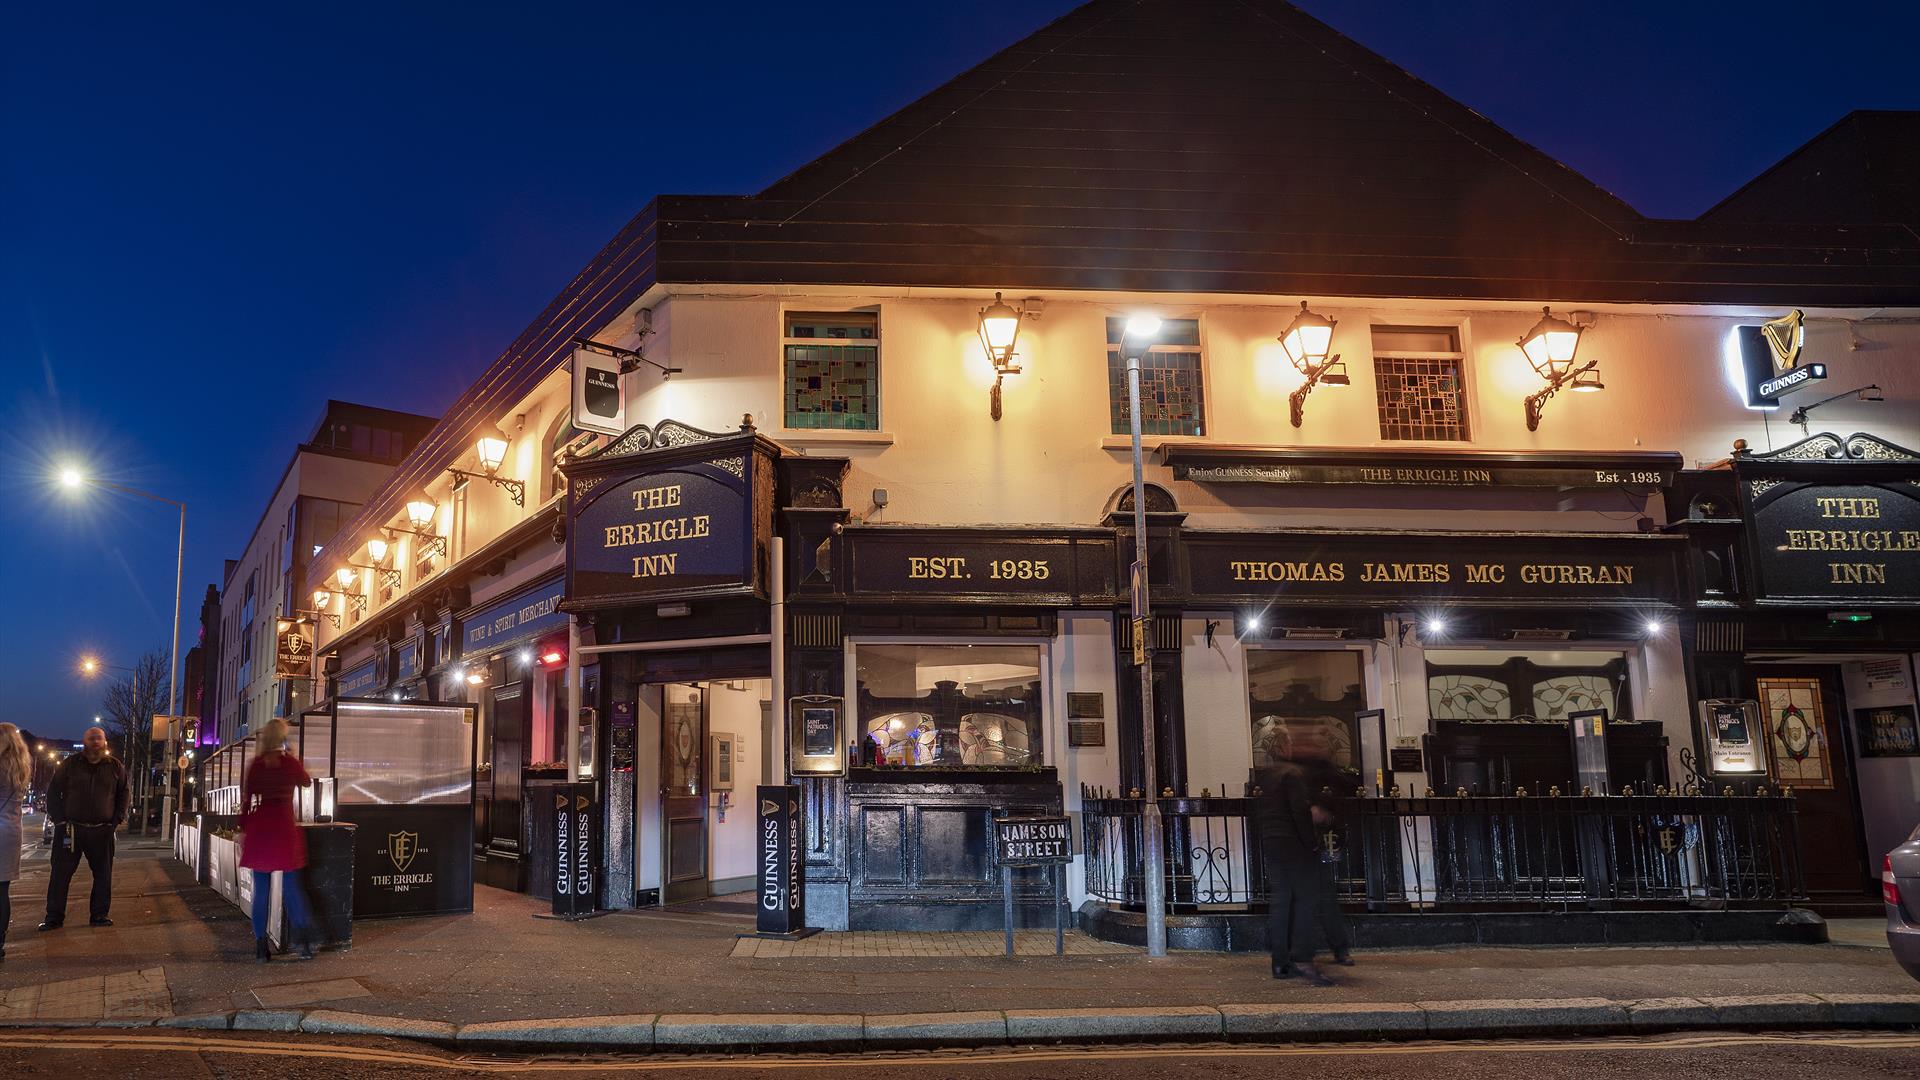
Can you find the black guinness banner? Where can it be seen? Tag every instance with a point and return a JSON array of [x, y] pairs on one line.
[[574, 893], [780, 902], [668, 523], [1369, 568]]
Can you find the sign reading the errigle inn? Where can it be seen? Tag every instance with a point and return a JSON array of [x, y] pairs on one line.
[[666, 523], [1837, 541], [1365, 568]]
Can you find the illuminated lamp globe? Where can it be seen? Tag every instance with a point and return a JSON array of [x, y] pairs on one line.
[[1308, 339], [999, 329], [345, 577], [420, 511], [1550, 345], [377, 550], [491, 448]]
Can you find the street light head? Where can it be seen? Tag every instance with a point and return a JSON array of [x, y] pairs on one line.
[[420, 511], [89, 665], [1142, 326], [71, 477]]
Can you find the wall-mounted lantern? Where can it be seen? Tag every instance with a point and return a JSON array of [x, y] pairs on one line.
[[1552, 347], [999, 331], [421, 511], [491, 451], [344, 579], [1308, 341]]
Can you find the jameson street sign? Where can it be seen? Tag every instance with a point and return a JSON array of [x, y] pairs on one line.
[[1034, 841]]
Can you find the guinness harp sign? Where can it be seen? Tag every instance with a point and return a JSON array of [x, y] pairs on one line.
[[1770, 357], [598, 403]]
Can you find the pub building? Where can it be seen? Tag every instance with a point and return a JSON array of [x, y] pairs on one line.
[[830, 484]]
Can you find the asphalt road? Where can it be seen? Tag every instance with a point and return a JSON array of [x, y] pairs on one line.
[[163, 1054]]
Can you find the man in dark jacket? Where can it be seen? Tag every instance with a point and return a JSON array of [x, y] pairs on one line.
[[1290, 847], [87, 800]]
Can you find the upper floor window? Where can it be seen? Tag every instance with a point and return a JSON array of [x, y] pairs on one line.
[[1172, 399], [832, 370], [1420, 379]]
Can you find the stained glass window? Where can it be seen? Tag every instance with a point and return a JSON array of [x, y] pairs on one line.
[[832, 370], [1172, 401], [1419, 383]]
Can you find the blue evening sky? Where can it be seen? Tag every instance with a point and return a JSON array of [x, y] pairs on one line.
[[215, 217]]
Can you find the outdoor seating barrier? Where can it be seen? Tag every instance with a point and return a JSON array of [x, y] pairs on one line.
[[1473, 852]]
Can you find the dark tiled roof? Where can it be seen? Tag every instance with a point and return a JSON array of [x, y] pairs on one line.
[[1865, 168], [1234, 146]]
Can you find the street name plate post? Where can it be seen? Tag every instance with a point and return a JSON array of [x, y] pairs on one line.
[[780, 901], [1035, 841]]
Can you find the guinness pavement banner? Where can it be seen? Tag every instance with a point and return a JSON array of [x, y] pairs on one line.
[[780, 900]]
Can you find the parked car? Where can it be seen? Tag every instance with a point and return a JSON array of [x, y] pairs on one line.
[[1900, 888]]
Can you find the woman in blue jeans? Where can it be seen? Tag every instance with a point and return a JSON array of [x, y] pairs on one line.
[[270, 838]]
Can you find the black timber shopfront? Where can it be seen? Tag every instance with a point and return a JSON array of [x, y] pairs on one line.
[[1807, 564], [900, 838]]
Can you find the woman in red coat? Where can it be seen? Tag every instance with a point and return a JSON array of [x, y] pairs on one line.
[[270, 839]]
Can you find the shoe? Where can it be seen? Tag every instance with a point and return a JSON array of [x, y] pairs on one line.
[[306, 947], [99, 922], [1283, 971], [262, 952], [1311, 973], [49, 925], [1343, 958]]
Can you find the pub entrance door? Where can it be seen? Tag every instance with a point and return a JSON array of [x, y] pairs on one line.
[[1803, 710], [684, 719]]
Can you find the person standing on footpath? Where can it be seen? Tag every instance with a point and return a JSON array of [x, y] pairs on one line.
[[15, 774], [270, 838], [87, 801], [1290, 847]]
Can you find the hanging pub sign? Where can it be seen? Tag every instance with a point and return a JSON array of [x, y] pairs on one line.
[[293, 654], [669, 513], [1816, 539], [1391, 568], [598, 403]]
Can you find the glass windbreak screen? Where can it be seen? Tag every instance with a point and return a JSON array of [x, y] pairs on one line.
[[1299, 694], [1542, 684], [949, 705], [404, 754], [316, 742]]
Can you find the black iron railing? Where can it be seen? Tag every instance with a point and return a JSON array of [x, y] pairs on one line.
[[1474, 852]]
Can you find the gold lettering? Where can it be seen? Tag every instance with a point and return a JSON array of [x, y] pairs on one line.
[[656, 497], [655, 565], [1486, 574], [1848, 507], [937, 567], [1841, 573]]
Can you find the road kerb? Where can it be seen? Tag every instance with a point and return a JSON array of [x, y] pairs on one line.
[[984, 1028], [1873, 1010], [1114, 1025], [713, 1031], [622, 1031], [1324, 1019], [1525, 1016], [1770, 1010], [335, 1022]]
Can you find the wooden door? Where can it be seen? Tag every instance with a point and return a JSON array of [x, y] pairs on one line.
[[1803, 715], [683, 792]]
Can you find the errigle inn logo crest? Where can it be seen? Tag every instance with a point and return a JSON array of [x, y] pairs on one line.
[[402, 847]]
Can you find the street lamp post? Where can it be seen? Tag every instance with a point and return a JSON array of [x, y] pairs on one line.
[[73, 479], [1141, 330]]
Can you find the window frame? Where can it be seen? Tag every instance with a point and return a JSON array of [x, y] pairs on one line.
[[1469, 402], [787, 341], [1048, 714], [1109, 348]]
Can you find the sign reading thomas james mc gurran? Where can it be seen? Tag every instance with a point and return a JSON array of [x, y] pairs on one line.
[[685, 520]]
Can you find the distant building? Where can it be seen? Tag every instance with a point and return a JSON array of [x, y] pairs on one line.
[[350, 454]]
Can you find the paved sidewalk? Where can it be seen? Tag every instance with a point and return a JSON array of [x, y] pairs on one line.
[[179, 955]]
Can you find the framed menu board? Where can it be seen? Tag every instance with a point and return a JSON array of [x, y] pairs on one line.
[[818, 742]]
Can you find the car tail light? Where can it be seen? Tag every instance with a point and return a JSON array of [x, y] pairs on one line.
[[1889, 888]]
